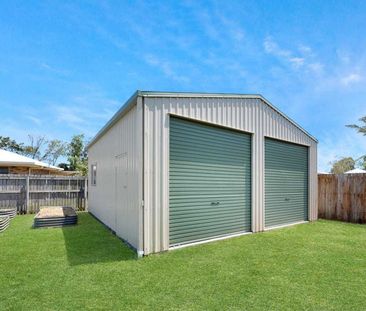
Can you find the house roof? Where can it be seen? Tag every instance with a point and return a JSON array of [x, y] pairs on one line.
[[8, 158], [133, 100], [356, 171]]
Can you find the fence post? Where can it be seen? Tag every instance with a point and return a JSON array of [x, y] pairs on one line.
[[27, 205], [86, 193], [69, 193]]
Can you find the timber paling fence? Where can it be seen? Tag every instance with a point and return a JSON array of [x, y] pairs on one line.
[[342, 197], [28, 193]]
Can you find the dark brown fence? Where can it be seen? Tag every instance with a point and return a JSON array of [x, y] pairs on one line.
[[342, 197], [29, 193]]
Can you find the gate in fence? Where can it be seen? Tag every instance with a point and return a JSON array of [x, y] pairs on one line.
[[29, 193]]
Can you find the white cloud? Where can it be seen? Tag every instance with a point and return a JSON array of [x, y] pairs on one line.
[[165, 67], [344, 56], [305, 49], [350, 79], [341, 73], [85, 112], [208, 25], [34, 119], [297, 61], [52, 69], [231, 29], [238, 35], [111, 37], [69, 115], [316, 67], [15, 129], [271, 47]]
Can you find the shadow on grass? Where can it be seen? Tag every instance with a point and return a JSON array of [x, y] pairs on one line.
[[90, 242]]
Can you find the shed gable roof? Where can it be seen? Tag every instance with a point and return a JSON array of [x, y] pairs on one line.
[[133, 100]]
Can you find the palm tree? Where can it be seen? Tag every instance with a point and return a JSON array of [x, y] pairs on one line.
[[360, 128]]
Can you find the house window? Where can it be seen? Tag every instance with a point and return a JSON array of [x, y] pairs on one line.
[[4, 170], [93, 174]]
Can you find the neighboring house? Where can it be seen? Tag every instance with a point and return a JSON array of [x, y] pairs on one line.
[[13, 163], [172, 169], [356, 171]]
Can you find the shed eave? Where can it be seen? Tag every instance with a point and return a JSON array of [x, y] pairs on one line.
[[195, 94], [119, 114]]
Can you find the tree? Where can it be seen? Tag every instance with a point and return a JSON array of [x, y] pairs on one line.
[[343, 165], [34, 149], [360, 128], [361, 162], [39, 148], [55, 149], [9, 144], [51, 151], [77, 155], [65, 166], [45, 150]]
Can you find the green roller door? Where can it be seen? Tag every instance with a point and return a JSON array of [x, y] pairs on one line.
[[209, 181], [286, 183]]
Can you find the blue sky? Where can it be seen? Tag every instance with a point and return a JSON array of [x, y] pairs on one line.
[[67, 66]]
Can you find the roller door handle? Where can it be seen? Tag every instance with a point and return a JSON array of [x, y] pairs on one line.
[[215, 203], [287, 199]]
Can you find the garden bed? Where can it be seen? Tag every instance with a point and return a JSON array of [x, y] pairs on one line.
[[55, 216]]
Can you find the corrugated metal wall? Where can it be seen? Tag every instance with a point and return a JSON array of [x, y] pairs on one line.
[[119, 150], [247, 114]]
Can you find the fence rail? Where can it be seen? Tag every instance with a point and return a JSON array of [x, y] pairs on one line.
[[29, 193], [342, 197]]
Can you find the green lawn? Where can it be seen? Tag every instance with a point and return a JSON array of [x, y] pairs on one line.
[[317, 266]]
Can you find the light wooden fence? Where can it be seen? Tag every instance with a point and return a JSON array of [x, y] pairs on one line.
[[342, 197], [29, 193]]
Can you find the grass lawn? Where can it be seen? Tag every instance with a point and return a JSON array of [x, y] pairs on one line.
[[317, 266]]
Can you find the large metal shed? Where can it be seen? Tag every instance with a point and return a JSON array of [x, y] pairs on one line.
[[173, 169]]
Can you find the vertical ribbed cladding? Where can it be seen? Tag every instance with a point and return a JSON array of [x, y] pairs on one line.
[[246, 114], [121, 140], [139, 169], [147, 213], [156, 155], [313, 183], [259, 158]]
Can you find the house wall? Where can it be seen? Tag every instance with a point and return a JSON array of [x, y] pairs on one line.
[[25, 170], [19, 170], [251, 115], [116, 198]]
